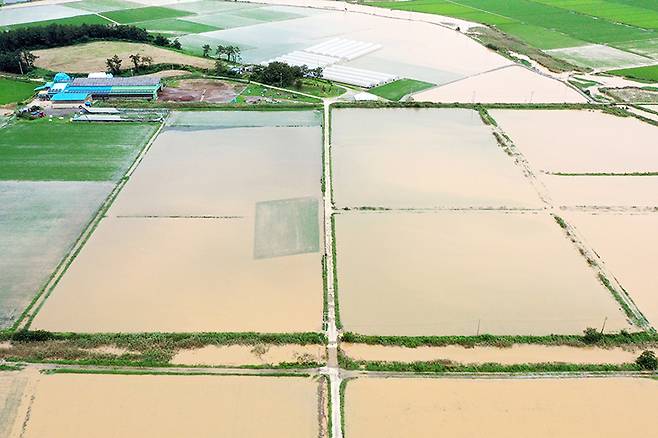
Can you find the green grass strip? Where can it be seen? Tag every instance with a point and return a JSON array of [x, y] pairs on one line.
[[396, 90]]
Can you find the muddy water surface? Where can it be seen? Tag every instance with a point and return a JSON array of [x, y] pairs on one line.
[[236, 355], [183, 275], [446, 273], [172, 406], [605, 191], [402, 158], [628, 245], [577, 141], [466, 408]]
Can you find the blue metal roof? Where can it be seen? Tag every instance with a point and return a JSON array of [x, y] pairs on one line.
[[69, 97]]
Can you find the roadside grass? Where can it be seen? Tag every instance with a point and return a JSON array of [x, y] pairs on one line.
[[339, 324], [142, 349], [137, 15], [452, 367], [396, 90], [644, 74], [137, 372], [59, 150], [15, 90], [74, 21]]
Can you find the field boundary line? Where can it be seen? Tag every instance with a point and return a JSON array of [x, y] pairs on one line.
[[33, 309], [108, 19]]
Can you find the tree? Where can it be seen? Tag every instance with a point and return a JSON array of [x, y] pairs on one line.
[[591, 335], [176, 44], [27, 59], [114, 64], [220, 68], [146, 61], [160, 40], [230, 51], [278, 74], [647, 360], [136, 59], [206, 50], [219, 51]]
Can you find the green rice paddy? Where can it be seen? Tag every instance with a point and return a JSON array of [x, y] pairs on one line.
[[45, 150], [648, 73], [12, 90], [76, 21], [396, 90], [175, 25], [129, 16], [549, 24]]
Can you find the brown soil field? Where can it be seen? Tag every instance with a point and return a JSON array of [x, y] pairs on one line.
[[201, 90], [422, 158], [183, 275], [579, 141], [628, 245], [167, 406], [237, 355], [500, 408], [77, 59], [448, 273], [516, 354]]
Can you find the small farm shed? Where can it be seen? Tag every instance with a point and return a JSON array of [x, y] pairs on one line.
[[70, 100]]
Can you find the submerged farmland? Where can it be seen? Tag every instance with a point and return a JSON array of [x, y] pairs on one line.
[[221, 235]]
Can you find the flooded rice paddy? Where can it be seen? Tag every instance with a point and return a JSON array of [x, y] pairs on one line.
[[221, 233], [223, 172], [463, 273], [628, 245], [238, 355], [604, 191], [516, 354], [422, 158], [550, 408], [581, 141], [167, 406]]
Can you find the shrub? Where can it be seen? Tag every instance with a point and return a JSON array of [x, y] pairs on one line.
[[647, 360], [592, 335], [32, 336]]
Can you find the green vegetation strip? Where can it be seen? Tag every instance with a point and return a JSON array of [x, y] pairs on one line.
[[71, 21], [165, 373], [15, 90], [339, 324], [448, 367], [139, 15], [396, 90], [587, 339]]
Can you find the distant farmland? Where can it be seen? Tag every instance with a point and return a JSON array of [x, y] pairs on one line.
[[629, 25]]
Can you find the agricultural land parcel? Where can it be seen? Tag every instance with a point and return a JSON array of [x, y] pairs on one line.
[[555, 408], [226, 264], [464, 272], [422, 158], [56, 176], [12, 90], [630, 26], [166, 406]]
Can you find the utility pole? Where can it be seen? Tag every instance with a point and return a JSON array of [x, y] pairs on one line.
[[604, 321]]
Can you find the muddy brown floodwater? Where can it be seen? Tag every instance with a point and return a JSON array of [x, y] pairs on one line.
[[578, 141], [628, 245], [168, 406], [236, 355], [448, 273], [500, 408], [183, 275], [422, 158]]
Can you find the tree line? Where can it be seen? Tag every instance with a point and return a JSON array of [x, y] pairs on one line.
[[15, 44]]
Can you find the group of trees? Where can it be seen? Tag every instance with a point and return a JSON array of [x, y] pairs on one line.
[[15, 44], [280, 74], [232, 52], [139, 61]]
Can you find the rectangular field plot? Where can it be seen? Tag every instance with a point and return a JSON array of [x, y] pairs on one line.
[[223, 172], [43, 150], [541, 408], [628, 245], [243, 119], [39, 223], [581, 141], [401, 158], [603, 191], [106, 406], [448, 273], [183, 275]]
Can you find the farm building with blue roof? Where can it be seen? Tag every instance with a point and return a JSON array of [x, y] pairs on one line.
[[104, 87]]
